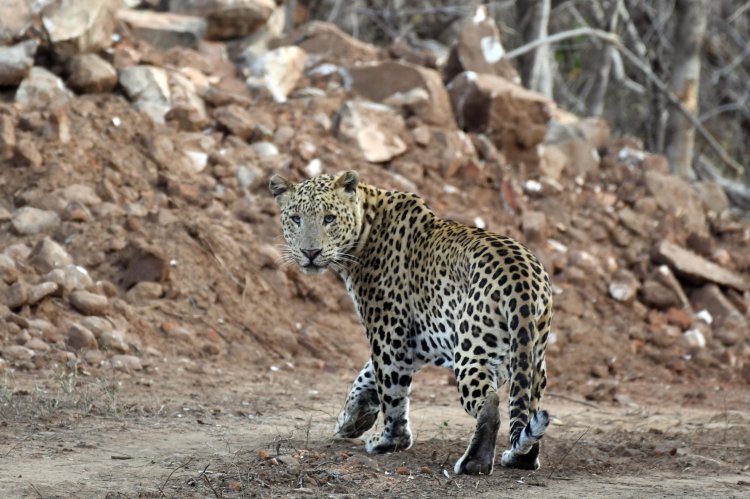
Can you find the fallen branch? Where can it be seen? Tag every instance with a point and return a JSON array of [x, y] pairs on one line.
[[615, 41]]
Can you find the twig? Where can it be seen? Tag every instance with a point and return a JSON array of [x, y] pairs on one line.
[[121, 458], [646, 70], [552, 472], [571, 399], [37, 491], [161, 489]]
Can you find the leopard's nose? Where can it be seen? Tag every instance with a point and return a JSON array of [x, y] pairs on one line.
[[311, 253]]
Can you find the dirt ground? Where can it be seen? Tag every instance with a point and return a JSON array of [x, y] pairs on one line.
[[252, 431]]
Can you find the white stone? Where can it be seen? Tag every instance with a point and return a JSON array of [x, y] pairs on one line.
[[278, 71]]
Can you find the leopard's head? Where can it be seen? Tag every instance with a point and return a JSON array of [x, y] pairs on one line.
[[321, 219]]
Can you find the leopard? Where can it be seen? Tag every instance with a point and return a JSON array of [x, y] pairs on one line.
[[428, 291]]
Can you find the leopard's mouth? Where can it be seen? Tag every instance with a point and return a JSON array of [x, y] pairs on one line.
[[312, 268]]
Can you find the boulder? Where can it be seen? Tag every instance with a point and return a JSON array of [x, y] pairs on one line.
[[41, 90], [695, 267], [17, 18], [227, 18], [375, 128], [416, 88], [48, 255], [675, 195], [188, 109], [478, 49], [16, 61], [710, 297], [164, 30], [7, 136], [80, 26], [513, 117], [713, 196], [655, 294], [29, 220], [148, 87], [80, 338], [328, 43], [277, 71], [89, 303], [90, 74]]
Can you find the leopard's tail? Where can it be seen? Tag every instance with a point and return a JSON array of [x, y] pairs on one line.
[[527, 423]]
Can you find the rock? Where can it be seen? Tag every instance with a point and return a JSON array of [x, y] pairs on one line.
[[14, 296], [113, 340], [236, 119], [694, 338], [666, 335], [17, 353], [16, 61], [7, 135], [126, 363], [510, 115], [144, 291], [80, 338], [623, 286], [42, 90], [675, 195], [143, 264], [188, 109], [29, 221], [375, 128], [89, 303], [710, 297], [79, 193], [70, 277], [328, 43], [40, 291], [595, 131], [38, 345], [8, 269], [665, 276], [164, 30], [263, 149], [696, 267], [577, 157], [79, 26], [389, 80], [90, 74], [713, 196], [534, 225], [227, 18], [655, 294], [26, 154], [97, 325], [478, 49], [17, 18], [148, 87], [175, 332], [48, 255], [679, 317], [277, 71]]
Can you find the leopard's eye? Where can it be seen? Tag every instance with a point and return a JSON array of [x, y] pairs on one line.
[[329, 219], [296, 219]]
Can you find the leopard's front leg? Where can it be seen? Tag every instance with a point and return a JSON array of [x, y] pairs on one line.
[[393, 380], [361, 407]]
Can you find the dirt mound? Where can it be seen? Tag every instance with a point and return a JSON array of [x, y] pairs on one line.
[[137, 222]]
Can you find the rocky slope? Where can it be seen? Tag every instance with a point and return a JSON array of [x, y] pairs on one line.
[[136, 148]]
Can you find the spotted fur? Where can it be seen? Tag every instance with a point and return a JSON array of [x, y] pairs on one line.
[[428, 291]]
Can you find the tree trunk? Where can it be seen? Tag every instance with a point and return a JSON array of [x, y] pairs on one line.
[[532, 17], [689, 28]]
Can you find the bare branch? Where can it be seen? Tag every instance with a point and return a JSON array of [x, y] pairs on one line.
[[646, 70]]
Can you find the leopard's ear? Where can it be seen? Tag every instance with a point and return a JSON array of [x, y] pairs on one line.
[[347, 181], [280, 186]]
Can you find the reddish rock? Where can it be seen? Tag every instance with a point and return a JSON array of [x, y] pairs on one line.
[[382, 81], [696, 267], [328, 42], [676, 196], [510, 115], [80, 338], [227, 18], [89, 303], [90, 74], [164, 30], [478, 49], [236, 119]]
